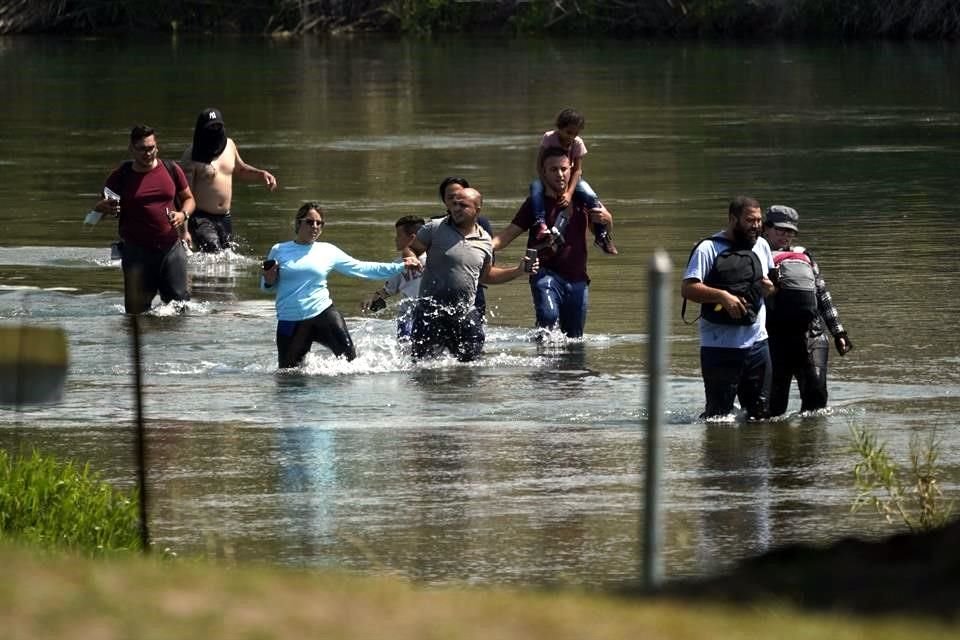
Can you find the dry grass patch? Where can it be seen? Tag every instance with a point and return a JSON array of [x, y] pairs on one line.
[[54, 596]]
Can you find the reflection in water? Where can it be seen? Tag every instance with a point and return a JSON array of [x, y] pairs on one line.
[[759, 474]]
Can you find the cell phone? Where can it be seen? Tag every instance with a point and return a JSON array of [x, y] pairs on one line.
[[268, 264], [531, 256]]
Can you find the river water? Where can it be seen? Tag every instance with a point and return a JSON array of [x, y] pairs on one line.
[[525, 467]]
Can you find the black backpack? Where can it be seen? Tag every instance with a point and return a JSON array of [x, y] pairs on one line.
[[737, 271]]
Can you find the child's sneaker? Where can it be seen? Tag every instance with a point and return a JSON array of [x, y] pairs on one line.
[[605, 242], [542, 232]]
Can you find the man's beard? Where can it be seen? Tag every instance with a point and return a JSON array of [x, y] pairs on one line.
[[743, 239]]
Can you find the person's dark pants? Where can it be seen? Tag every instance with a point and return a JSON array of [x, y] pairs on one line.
[[800, 356], [456, 327], [559, 303], [736, 373], [211, 232], [295, 337], [147, 272]]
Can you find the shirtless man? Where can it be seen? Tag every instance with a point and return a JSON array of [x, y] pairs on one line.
[[210, 164]]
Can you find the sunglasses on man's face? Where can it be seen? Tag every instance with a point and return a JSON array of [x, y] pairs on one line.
[[144, 149]]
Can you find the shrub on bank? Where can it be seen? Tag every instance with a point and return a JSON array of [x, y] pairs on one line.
[[742, 19], [62, 505]]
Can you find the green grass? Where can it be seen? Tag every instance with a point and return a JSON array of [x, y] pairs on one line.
[[55, 596], [911, 493], [65, 506]]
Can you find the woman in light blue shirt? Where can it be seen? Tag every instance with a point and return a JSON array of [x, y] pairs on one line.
[[297, 271]]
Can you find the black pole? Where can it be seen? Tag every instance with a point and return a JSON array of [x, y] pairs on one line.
[[141, 448]]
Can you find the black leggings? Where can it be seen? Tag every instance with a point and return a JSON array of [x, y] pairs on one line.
[[803, 357], [211, 232], [295, 337]]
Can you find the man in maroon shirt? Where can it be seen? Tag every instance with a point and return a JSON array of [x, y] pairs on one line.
[[560, 287], [154, 259]]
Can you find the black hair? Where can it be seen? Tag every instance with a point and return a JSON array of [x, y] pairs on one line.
[[569, 117], [140, 131], [740, 204], [449, 180], [409, 224], [306, 208]]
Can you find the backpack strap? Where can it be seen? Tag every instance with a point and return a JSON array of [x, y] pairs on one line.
[[683, 307], [169, 165], [127, 168]]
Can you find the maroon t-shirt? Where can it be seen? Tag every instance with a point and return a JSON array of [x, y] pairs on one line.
[[570, 262], [144, 201]]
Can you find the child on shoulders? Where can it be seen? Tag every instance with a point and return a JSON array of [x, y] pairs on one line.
[[569, 124]]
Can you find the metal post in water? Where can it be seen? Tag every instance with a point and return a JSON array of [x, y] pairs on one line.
[[659, 306], [141, 439]]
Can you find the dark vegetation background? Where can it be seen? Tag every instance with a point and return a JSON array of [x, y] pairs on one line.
[[740, 19]]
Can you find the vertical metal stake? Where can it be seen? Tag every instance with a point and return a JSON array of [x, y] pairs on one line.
[[657, 357], [141, 446]]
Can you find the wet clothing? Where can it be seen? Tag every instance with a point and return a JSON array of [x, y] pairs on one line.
[[454, 260], [560, 288], [559, 303], [734, 359], [802, 353], [481, 299], [736, 373], [446, 315], [147, 272], [803, 356], [211, 232], [302, 294], [152, 258], [451, 325], [408, 285], [295, 337]]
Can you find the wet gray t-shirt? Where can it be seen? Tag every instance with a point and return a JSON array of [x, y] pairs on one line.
[[454, 260]]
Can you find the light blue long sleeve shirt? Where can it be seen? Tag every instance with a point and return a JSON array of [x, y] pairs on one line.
[[301, 285]]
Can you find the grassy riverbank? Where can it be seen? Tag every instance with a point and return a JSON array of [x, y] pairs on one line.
[[740, 19], [63, 505], [54, 596]]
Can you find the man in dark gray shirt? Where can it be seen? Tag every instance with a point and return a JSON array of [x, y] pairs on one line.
[[459, 257]]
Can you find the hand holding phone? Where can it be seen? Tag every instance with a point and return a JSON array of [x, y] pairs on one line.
[[268, 264], [531, 256]]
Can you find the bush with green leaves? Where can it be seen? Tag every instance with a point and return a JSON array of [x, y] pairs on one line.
[[62, 505]]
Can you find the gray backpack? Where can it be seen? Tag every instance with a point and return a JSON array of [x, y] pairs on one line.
[[795, 304]]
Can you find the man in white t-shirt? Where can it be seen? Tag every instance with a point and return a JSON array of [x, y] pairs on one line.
[[728, 275]]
